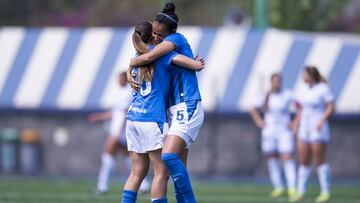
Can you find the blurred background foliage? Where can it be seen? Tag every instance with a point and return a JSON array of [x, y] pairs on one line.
[[309, 15]]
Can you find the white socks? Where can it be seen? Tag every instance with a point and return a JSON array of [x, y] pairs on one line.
[[290, 173], [323, 172], [274, 166], [303, 177], [145, 185], [107, 164]]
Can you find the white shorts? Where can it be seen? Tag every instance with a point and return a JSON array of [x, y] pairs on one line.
[[309, 133], [277, 139], [143, 137], [186, 119]]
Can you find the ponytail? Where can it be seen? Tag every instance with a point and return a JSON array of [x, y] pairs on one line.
[[140, 37]]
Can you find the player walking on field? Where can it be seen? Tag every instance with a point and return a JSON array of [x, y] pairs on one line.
[[316, 104], [277, 142]]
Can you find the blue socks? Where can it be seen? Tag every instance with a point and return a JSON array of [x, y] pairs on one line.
[[180, 176], [160, 200], [179, 197], [129, 196]]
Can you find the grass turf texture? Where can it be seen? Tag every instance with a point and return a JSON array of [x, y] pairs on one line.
[[51, 191]]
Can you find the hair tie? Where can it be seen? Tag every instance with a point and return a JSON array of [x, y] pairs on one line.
[[169, 17]]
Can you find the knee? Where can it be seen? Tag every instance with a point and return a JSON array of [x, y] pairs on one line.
[[163, 175], [286, 157]]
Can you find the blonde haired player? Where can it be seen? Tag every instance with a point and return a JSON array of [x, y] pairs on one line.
[[316, 104], [277, 141]]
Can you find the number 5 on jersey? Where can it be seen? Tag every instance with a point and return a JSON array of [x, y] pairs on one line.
[[180, 116]]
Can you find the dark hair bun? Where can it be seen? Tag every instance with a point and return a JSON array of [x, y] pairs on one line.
[[169, 8]]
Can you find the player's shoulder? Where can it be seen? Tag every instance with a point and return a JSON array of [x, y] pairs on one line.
[[176, 34], [288, 93], [322, 87], [177, 37]]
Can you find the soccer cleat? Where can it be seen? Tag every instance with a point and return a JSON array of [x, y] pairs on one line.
[[277, 192], [323, 198], [296, 197], [98, 192], [291, 193]]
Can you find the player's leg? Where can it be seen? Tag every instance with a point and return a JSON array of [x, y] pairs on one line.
[[290, 173], [161, 176], [107, 163], [173, 146], [286, 148], [323, 170], [274, 168], [304, 157], [179, 197], [139, 169], [269, 149], [122, 148], [186, 121]]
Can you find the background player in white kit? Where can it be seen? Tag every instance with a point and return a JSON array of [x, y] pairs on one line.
[[116, 141], [276, 136], [316, 104]]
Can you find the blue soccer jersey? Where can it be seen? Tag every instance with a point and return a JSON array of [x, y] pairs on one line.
[[150, 102], [183, 84]]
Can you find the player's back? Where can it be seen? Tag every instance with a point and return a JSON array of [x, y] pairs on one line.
[[184, 82], [150, 102]]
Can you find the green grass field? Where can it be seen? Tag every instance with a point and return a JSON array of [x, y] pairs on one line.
[[51, 191]]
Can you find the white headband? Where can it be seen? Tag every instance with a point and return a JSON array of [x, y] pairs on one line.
[[169, 17]]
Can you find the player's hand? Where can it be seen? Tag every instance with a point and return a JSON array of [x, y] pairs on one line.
[[133, 83], [201, 62], [260, 124], [93, 118], [320, 125]]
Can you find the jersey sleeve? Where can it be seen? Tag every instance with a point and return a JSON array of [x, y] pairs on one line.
[[174, 38], [327, 95], [260, 101]]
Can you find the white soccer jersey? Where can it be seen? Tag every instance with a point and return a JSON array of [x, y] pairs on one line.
[[313, 101], [119, 111], [276, 135], [277, 113]]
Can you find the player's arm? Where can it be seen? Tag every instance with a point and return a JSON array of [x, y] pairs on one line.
[[131, 80], [102, 116], [158, 51], [329, 109], [255, 115], [196, 64], [296, 120]]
